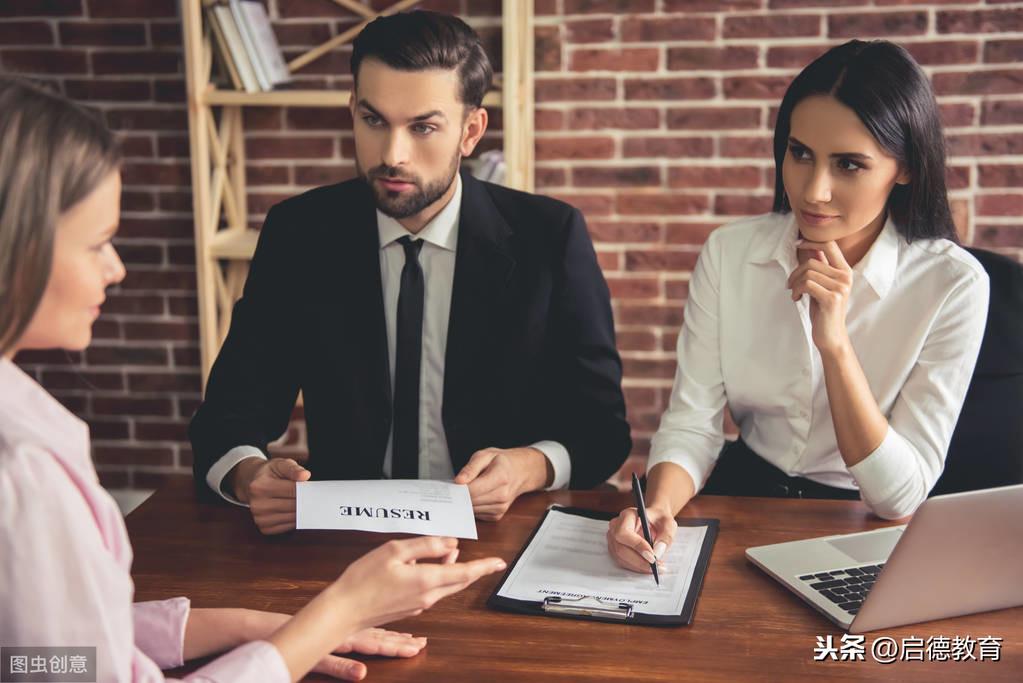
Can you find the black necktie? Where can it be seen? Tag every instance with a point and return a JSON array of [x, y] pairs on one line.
[[407, 360]]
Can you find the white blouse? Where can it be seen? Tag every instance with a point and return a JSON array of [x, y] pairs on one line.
[[916, 318]]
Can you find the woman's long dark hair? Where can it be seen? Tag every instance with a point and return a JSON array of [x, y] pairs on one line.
[[891, 95]]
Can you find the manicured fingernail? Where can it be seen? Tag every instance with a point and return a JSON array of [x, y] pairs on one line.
[[659, 549], [499, 565], [649, 556]]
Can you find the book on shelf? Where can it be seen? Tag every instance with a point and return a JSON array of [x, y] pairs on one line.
[[490, 167], [264, 41], [224, 60], [246, 44], [220, 17], [238, 16]]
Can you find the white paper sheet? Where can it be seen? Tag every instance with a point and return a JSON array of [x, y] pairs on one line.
[[568, 558], [425, 507]]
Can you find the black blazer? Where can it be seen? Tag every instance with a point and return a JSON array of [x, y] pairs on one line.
[[530, 352]]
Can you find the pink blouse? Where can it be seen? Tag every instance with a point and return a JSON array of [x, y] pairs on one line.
[[65, 555]]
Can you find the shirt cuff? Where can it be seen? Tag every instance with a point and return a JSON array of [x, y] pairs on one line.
[[160, 630], [216, 474], [698, 474], [258, 661], [884, 475], [557, 455]]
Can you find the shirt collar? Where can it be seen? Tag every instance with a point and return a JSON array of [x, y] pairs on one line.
[[778, 244], [877, 266], [442, 231]]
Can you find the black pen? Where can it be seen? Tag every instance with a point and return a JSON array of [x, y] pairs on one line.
[[637, 493]]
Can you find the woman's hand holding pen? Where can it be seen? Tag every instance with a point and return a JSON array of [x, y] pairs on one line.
[[827, 278], [669, 487], [625, 539]]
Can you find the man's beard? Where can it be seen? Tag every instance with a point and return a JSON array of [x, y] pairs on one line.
[[400, 205]]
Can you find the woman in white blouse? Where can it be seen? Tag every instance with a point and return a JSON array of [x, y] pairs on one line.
[[841, 329]]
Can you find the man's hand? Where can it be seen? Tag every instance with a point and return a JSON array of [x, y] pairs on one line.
[[497, 476], [268, 487]]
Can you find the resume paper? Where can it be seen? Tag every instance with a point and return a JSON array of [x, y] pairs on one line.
[[408, 506], [568, 558]]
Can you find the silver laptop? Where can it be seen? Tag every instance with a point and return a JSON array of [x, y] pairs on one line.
[[960, 553]]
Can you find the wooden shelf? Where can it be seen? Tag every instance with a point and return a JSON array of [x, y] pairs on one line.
[[298, 98], [234, 243]]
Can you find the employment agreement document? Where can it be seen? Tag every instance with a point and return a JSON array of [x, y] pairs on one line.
[[411, 506], [568, 558]]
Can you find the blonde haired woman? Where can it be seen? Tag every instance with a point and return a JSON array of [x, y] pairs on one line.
[[64, 552]]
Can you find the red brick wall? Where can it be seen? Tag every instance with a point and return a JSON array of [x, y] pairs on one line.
[[653, 116]]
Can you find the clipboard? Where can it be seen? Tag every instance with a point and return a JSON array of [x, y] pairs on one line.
[[600, 609]]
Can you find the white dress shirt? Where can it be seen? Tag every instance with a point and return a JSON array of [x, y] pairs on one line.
[[916, 317], [437, 259]]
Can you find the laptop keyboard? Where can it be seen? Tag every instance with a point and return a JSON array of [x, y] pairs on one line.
[[847, 588]]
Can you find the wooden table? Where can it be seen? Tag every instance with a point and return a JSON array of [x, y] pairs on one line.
[[747, 626]]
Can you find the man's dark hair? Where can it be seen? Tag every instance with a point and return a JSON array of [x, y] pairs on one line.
[[891, 95], [421, 40]]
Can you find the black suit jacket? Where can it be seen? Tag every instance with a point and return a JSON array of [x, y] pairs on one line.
[[530, 352]]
